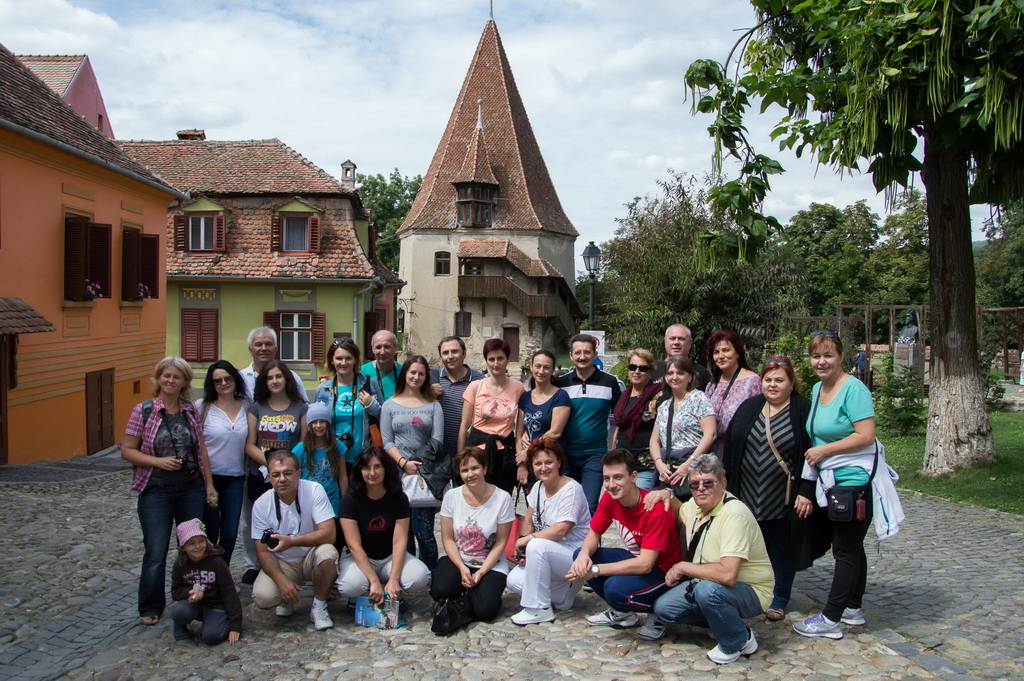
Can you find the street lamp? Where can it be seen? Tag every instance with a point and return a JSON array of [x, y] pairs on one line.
[[592, 261]]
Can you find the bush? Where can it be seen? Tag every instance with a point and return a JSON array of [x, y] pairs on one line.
[[900, 407]]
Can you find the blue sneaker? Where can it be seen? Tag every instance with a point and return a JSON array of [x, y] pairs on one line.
[[818, 626]]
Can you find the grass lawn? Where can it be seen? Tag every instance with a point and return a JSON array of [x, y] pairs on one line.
[[994, 485]]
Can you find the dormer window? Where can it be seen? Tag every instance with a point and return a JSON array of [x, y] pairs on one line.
[[475, 202]]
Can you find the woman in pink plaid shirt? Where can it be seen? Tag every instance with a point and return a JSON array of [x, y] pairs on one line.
[[164, 442]]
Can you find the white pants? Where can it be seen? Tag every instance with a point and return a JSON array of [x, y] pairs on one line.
[[352, 582], [542, 580]]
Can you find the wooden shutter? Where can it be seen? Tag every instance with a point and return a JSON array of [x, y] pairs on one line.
[[314, 234], [181, 232], [463, 321], [275, 233], [218, 233], [273, 320], [99, 257], [319, 337], [130, 264], [199, 334], [149, 267], [76, 237]]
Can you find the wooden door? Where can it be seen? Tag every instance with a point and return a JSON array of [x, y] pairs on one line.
[[99, 410], [4, 344], [511, 335]]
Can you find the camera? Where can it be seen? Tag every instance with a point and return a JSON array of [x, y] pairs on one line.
[[269, 539], [347, 440], [188, 464]]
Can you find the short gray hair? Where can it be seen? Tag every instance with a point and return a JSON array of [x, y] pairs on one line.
[[689, 332], [260, 331], [394, 338], [708, 464]]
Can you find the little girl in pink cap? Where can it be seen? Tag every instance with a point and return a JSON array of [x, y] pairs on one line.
[[202, 588]]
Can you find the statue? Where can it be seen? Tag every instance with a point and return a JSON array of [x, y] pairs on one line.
[[908, 335]]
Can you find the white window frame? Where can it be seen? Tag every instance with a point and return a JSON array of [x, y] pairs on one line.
[[296, 336], [288, 227], [207, 229]]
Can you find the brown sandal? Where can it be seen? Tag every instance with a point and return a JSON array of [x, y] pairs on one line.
[[149, 620], [775, 614]]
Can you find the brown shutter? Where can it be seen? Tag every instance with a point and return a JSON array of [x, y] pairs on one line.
[[208, 335], [273, 320], [190, 328], [218, 233], [275, 233], [149, 268], [99, 257], [314, 234], [181, 232], [319, 337], [130, 264], [76, 237]]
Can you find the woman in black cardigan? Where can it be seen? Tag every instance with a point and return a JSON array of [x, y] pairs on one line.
[[763, 466]]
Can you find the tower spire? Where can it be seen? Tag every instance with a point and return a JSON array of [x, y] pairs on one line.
[[492, 10]]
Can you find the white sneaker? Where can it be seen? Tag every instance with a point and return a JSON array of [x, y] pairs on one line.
[[320, 618], [533, 616], [653, 629], [749, 648], [613, 618], [284, 610], [853, 616], [570, 598]]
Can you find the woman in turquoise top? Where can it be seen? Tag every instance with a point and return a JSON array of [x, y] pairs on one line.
[[842, 421], [352, 397]]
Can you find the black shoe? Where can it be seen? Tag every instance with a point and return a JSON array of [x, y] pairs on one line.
[[250, 576]]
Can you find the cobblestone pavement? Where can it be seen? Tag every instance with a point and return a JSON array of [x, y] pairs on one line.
[[944, 602]]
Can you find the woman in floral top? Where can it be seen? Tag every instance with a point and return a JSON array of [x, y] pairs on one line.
[[692, 421], [476, 519], [732, 381]]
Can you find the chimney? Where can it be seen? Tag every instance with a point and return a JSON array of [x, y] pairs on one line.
[[194, 134], [348, 174]]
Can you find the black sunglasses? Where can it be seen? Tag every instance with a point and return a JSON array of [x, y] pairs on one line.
[[642, 368], [223, 380], [702, 484]]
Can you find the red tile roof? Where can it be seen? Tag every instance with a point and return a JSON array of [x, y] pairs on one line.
[[236, 167], [26, 102], [17, 316], [476, 167], [56, 70], [527, 197], [506, 250]]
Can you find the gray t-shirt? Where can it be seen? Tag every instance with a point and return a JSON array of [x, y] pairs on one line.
[[409, 428], [277, 429]]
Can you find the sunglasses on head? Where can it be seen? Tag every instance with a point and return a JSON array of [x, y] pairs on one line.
[[223, 380], [776, 362], [344, 341], [702, 484], [642, 368], [824, 332]]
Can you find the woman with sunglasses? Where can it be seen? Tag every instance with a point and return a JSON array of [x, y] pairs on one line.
[[543, 410], [732, 380], [223, 411], [764, 455], [685, 425], [353, 398], [634, 416], [842, 422]]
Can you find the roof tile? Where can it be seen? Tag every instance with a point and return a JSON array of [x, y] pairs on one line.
[[17, 316]]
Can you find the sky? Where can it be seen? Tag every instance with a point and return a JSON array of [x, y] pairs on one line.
[[375, 81]]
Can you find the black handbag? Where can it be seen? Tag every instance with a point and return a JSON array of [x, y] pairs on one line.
[[846, 503], [451, 614]]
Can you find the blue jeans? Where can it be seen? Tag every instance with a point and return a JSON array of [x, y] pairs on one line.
[[160, 508], [422, 525], [586, 470], [216, 625], [716, 606], [647, 480], [626, 593], [222, 521], [776, 539]]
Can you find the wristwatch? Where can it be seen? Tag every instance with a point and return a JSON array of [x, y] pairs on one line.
[[595, 570]]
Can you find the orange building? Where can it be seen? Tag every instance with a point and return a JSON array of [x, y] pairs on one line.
[[75, 212]]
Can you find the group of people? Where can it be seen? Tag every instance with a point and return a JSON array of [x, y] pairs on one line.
[[317, 487]]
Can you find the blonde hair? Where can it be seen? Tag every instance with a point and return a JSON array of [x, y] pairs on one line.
[[179, 364]]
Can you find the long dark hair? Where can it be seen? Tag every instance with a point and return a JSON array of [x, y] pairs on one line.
[[330, 447], [350, 347], [262, 393], [392, 477], [529, 367], [210, 392], [733, 339], [426, 392]]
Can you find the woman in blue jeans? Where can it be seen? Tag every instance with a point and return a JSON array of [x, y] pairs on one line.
[[171, 473], [222, 412]]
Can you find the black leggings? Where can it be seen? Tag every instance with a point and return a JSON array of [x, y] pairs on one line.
[[485, 599], [851, 574]]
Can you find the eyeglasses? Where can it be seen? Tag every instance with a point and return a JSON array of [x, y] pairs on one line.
[[226, 380], [642, 368], [702, 484], [776, 362], [824, 332]]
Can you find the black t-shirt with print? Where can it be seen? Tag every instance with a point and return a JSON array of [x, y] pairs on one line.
[[376, 520]]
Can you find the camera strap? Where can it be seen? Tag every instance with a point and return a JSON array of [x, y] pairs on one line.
[[277, 507], [699, 533]]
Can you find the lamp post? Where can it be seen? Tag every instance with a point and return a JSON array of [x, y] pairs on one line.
[[592, 261]]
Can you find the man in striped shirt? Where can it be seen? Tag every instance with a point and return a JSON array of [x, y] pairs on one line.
[[449, 383]]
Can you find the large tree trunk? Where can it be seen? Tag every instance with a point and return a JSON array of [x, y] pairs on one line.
[[959, 432]]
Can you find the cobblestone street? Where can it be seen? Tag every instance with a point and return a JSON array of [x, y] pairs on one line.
[[944, 601]]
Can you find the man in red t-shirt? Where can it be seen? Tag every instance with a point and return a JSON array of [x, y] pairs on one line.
[[629, 579]]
